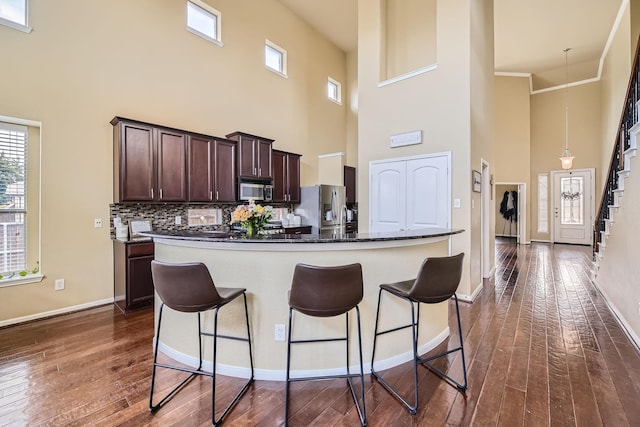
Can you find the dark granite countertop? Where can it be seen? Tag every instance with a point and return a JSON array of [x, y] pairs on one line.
[[235, 237]]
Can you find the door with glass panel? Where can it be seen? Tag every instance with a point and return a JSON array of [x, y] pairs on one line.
[[573, 206]]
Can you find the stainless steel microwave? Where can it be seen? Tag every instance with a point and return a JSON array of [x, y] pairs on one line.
[[259, 191]]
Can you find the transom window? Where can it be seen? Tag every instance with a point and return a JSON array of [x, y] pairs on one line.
[[334, 91], [275, 58], [13, 13], [204, 21]]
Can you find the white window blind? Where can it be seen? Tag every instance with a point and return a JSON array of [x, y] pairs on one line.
[[13, 154]]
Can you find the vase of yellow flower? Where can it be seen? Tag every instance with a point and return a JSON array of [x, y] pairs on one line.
[[252, 217]]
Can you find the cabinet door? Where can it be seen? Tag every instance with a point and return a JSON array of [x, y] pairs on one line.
[[350, 184], [137, 167], [246, 157], [200, 169], [293, 175], [225, 171], [388, 204], [279, 176], [172, 166], [264, 159], [139, 281]]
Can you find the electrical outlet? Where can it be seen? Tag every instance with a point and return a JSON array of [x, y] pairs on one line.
[[178, 220], [279, 333], [97, 223], [59, 284]]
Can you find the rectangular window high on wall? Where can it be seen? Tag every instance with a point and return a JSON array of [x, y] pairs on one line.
[[543, 203], [334, 90], [204, 21], [14, 14], [275, 58], [13, 189]]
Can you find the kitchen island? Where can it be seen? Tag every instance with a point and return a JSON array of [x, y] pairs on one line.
[[264, 266]]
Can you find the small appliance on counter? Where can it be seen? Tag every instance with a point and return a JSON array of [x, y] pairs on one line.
[[323, 208]]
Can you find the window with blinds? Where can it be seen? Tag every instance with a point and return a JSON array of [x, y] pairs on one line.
[[13, 208]]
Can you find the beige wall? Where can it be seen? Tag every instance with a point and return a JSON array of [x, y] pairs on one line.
[[438, 102], [618, 272], [548, 136], [137, 60], [409, 36], [482, 127], [512, 151]]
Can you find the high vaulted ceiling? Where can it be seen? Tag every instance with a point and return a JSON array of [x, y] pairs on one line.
[[530, 35]]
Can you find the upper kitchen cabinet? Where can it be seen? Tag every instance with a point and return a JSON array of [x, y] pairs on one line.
[[350, 184], [254, 155], [286, 177], [212, 169], [150, 163]]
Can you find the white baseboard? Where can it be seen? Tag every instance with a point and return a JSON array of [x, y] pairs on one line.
[[57, 312], [277, 375], [472, 297], [628, 330]]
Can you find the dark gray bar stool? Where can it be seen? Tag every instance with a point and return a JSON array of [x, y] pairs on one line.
[[437, 281], [189, 288], [327, 292]]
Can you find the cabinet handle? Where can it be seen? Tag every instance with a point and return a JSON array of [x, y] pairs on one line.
[[210, 195], [152, 193], [217, 195], [161, 194], [255, 171], [260, 171]]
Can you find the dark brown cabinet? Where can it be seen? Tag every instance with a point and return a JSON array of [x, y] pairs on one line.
[[150, 163], [286, 176], [350, 184], [303, 229], [212, 169], [133, 285], [254, 155]]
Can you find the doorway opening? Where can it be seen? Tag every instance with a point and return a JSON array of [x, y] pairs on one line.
[[510, 211]]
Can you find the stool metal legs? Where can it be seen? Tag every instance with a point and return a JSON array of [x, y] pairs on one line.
[[416, 357], [360, 407], [199, 371]]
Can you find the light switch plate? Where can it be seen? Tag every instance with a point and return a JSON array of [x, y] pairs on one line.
[[457, 203]]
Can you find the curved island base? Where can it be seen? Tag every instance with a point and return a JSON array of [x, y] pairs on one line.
[[265, 268]]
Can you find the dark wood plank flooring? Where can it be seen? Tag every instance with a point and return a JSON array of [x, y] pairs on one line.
[[542, 349]]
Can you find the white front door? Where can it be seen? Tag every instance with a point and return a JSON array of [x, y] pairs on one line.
[[573, 206], [410, 193]]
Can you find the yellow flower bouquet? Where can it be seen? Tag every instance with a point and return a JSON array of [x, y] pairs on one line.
[[252, 217]]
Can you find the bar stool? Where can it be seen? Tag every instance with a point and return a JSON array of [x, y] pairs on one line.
[[327, 292], [189, 288], [437, 281]]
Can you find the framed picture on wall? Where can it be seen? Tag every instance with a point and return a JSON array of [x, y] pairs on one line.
[[476, 181]]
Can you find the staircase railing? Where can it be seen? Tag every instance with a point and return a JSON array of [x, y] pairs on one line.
[[622, 143]]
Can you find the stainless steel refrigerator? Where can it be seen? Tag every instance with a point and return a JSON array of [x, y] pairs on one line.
[[323, 207]]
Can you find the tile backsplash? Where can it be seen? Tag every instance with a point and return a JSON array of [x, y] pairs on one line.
[[163, 216]]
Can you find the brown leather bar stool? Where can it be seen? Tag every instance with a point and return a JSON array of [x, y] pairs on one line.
[[189, 288], [327, 292], [437, 281]]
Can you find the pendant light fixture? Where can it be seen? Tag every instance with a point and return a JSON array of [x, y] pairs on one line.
[[567, 158]]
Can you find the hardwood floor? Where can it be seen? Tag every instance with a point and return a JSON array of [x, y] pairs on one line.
[[542, 349]]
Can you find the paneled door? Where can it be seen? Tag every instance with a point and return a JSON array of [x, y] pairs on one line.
[[410, 193], [573, 206]]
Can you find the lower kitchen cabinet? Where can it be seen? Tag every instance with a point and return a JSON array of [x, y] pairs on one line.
[[133, 284], [303, 229]]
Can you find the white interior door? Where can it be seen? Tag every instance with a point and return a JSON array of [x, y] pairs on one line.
[[573, 206], [410, 193], [388, 198], [427, 198]]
